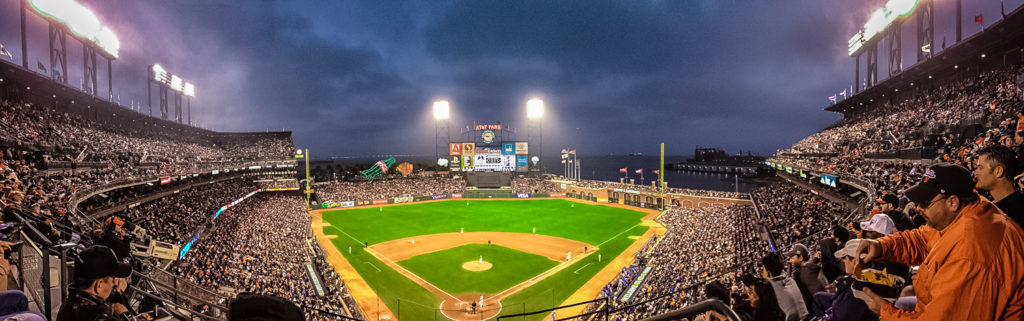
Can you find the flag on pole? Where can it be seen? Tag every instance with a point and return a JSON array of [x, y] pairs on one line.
[[572, 152], [622, 170], [563, 161], [40, 65], [832, 99], [640, 171], [564, 151], [979, 19], [657, 172], [843, 93], [4, 52], [564, 156]]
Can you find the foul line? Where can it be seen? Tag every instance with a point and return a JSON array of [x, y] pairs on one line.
[[374, 266], [395, 264], [608, 240], [578, 270], [346, 234]]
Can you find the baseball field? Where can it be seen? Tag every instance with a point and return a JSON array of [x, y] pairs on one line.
[[433, 260]]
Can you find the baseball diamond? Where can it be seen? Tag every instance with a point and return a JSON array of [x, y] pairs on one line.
[[411, 256]]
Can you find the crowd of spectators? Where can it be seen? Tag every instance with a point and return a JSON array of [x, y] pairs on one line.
[[534, 185], [340, 191], [649, 188], [793, 214], [262, 246], [176, 217]]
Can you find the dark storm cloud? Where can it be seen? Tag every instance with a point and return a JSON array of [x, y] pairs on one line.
[[358, 78]]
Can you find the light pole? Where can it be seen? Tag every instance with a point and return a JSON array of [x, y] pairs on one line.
[[535, 111], [442, 112]]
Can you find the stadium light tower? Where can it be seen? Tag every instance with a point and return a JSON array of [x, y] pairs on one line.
[[442, 136], [535, 116]]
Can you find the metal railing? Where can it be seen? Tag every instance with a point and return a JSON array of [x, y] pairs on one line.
[[692, 311]]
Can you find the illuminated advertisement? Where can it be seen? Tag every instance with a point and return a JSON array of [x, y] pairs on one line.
[[494, 163], [522, 149], [829, 180]]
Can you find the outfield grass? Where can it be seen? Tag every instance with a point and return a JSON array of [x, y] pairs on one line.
[[603, 226], [444, 268], [576, 221]]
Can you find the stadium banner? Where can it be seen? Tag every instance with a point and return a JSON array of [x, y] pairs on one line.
[[165, 180], [536, 195], [215, 172], [421, 198], [337, 204], [363, 203], [468, 149], [489, 150], [406, 199], [487, 127], [602, 200], [521, 161], [522, 195], [455, 149], [508, 148], [456, 195], [829, 180], [557, 194], [438, 197], [522, 148], [380, 201]]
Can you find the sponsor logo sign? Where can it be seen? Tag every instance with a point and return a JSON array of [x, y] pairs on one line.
[[508, 148], [456, 195], [557, 194], [521, 160], [405, 199], [438, 197], [521, 149], [468, 148], [522, 195], [376, 202], [455, 149], [165, 180]]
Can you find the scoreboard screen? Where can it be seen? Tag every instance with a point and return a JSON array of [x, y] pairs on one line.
[[481, 157]]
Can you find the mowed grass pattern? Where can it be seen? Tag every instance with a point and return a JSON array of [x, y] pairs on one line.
[[582, 222], [444, 268]]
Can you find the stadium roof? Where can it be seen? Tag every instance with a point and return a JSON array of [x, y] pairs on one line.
[[1003, 37]]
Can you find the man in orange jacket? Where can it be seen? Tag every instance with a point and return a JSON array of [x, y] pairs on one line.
[[971, 256]]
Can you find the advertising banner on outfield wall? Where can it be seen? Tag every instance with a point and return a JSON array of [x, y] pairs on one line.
[[557, 194], [405, 199], [522, 195], [378, 202], [536, 195], [337, 204], [438, 197], [456, 195]]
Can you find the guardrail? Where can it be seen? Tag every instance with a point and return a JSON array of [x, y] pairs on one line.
[[692, 311]]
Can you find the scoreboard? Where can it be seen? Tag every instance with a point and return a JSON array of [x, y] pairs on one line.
[[501, 157]]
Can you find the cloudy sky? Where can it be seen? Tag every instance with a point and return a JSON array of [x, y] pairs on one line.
[[358, 77]]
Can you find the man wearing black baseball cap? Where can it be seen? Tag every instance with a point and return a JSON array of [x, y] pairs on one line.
[[968, 251], [97, 274], [889, 204]]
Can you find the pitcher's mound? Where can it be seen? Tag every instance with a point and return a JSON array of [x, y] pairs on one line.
[[477, 266]]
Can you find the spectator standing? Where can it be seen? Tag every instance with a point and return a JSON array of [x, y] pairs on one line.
[[995, 168], [889, 204], [969, 250]]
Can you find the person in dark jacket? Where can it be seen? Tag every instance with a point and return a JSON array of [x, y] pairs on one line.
[[97, 275], [843, 305], [996, 167], [806, 273], [889, 204], [115, 238]]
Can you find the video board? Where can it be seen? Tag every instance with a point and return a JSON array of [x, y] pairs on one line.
[[503, 157]]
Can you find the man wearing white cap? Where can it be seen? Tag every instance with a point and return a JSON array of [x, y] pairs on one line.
[[880, 225]]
